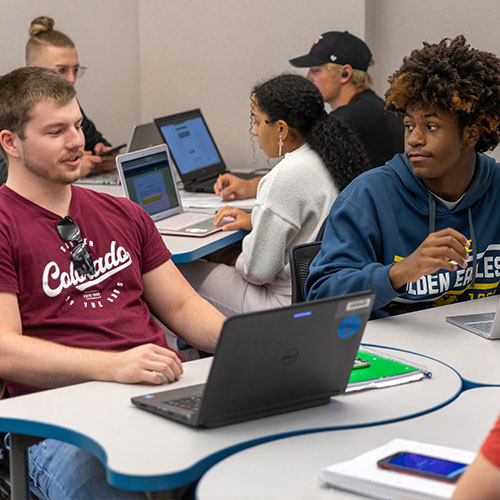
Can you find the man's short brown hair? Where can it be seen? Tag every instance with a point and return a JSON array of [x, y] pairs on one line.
[[22, 89]]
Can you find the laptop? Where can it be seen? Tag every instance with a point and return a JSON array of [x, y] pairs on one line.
[[194, 152], [148, 179], [486, 325], [107, 178], [144, 136], [272, 362]]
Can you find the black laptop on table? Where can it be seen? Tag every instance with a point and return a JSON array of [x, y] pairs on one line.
[[194, 152], [272, 362]]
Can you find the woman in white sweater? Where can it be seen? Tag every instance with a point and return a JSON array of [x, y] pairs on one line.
[[321, 155]]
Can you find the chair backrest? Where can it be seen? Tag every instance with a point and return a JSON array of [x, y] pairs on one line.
[[301, 257], [321, 231]]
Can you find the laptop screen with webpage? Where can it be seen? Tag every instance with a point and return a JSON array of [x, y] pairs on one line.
[[148, 180], [192, 147]]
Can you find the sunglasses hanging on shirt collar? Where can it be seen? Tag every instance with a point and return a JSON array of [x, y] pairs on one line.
[[80, 255]]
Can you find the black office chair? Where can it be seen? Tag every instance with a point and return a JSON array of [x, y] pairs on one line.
[[301, 257]]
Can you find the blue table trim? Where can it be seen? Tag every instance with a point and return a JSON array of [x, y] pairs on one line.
[[181, 258], [184, 477]]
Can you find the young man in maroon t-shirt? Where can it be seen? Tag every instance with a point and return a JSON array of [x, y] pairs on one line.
[[79, 273]]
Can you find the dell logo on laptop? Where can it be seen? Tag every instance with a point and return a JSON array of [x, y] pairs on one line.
[[349, 326], [290, 357]]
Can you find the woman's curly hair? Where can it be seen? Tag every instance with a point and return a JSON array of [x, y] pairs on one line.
[[299, 103], [452, 76]]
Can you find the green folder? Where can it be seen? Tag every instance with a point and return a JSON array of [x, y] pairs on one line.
[[384, 372]]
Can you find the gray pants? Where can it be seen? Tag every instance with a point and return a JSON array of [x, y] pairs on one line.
[[228, 291]]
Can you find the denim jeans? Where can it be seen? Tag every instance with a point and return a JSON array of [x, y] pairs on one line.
[[63, 471]]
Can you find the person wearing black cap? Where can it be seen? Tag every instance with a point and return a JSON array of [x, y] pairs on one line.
[[338, 63]]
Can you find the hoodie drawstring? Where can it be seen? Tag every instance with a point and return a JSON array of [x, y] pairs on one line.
[[432, 228], [432, 214], [474, 249]]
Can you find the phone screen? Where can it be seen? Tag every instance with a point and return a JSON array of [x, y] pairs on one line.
[[423, 465]]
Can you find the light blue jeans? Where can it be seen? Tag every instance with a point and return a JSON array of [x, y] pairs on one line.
[[63, 471]]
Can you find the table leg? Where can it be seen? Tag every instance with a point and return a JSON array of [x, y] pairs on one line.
[[19, 479]]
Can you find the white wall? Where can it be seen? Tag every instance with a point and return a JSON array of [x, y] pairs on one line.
[[106, 35], [209, 54], [148, 58], [402, 25]]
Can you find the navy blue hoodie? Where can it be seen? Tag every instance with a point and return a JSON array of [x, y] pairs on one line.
[[384, 215]]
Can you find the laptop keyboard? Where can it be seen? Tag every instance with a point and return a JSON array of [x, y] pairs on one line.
[[108, 178], [183, 220], [201, 188], [191, 403], [482, 326]]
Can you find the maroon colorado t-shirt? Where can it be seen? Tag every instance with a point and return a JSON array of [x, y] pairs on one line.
[[104, 311]]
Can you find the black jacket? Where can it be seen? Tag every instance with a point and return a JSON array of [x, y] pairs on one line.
[[380, 131], [92, 135]]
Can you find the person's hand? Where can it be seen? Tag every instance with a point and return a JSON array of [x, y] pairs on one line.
[[89, 161], [231, 187], [146, 363], [445, 249], [242, 220], [106, 163]]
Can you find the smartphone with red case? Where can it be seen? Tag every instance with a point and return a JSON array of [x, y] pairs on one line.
[[423, 465]]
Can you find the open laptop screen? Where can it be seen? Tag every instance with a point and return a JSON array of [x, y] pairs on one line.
[[150, 183], [191, 145]]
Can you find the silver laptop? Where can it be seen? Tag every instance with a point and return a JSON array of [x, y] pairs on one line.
[[148, 179], [144, 136], [486, 325], [272, 362]]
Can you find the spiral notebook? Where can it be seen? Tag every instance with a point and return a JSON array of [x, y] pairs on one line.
[[362, 475], [384, 371]]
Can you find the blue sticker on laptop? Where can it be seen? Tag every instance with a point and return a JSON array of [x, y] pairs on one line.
[[349, 326]]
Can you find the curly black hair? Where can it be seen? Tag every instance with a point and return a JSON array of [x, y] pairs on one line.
[[452, 76], [299, 103]]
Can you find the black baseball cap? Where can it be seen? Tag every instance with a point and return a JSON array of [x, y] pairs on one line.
[[339, 47]]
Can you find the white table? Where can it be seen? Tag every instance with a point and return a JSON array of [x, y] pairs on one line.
[[426, 332], [144, 451], [289, 468], [184, 248]]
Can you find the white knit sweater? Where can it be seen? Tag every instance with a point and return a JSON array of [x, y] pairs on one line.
[[292, 201]]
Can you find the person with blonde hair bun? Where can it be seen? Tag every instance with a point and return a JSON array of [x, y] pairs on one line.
[[53, 49]]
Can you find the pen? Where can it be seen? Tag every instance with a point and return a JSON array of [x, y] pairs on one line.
[[222, 190]]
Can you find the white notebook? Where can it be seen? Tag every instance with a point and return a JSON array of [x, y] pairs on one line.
[[362, 475]]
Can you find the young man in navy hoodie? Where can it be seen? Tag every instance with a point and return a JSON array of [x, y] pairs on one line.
[[424, 229]]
